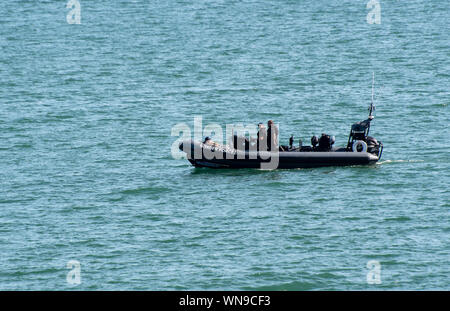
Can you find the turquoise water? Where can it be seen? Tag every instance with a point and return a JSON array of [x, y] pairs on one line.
[[85, 130]]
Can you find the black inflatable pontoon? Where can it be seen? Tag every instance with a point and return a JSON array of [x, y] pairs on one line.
[[216, 157]]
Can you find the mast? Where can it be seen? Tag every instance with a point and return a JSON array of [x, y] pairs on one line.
[[372, 106]]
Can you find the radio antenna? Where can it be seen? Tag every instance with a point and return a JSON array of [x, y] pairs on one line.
[[372, 107]]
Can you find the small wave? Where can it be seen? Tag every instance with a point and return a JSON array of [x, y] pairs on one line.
[[36, 272], [400, 218], [23, 146], [293, 286], [146, 190], [440, 105], [16, 200]]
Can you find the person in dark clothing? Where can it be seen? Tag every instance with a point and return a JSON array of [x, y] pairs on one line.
[[325, 142], [208, 141], [240, 141], [261, 138], [272, 136], [235, 141], [246, 144]]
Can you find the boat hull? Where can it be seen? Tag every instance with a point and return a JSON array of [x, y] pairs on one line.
[[200, 155]]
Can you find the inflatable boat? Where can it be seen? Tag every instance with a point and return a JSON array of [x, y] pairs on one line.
[[361, 149]]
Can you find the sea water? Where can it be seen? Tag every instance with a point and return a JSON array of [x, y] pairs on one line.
[[91, 197]]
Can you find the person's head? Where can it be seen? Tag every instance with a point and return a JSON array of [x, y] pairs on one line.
[[269, 123], [207, 139], [260, 125]]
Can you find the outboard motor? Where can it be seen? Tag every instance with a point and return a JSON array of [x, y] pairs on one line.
[[374, 146], [371, 142]]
